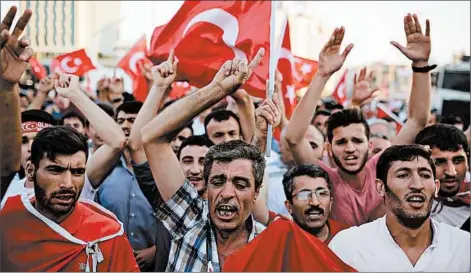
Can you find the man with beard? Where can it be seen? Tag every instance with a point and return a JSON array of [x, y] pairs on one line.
[[308, 200], [355, 196], [54, 231], [109, 173], [233, 174], [450, 152], [407, 238]]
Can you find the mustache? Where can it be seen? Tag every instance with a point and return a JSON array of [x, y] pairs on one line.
[[449, 177], [226, 202], [63, 192], [314, 209], [415, 192]]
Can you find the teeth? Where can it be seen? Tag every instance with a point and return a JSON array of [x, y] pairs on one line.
[[350, 157], [416, 199]]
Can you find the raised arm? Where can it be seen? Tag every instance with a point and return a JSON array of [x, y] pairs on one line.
[[363, 89], [14, 57], [418, 51], [246, 113], [43, 87], [159, 79], [100, 163], [157, 134], [330, 61]]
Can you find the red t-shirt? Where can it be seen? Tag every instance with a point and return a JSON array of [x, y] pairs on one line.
[[31, 242]]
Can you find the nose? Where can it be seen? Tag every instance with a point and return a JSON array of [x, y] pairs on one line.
[[350, 147], [416, 182], [195, 169], [30, 142], [227, 138], [66, 181], [450, 170], [227, 190], [314, 201]]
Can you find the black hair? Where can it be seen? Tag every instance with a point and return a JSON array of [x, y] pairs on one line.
[[130, 107], [57, 140], [320, 112], [310, 170], [450, 119], [107, 108], [39, 116], [444, 137], [343, 119], [201, 141], [401, 153], [73, 114], [232, 150], [221, 115]]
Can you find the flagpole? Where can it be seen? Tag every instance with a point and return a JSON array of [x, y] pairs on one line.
[[271, 73]]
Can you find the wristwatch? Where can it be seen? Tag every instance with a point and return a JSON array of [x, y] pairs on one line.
[[424, 69]]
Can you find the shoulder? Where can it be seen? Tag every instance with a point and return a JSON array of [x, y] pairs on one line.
[[452, 234], [98, 217], [355, 235]]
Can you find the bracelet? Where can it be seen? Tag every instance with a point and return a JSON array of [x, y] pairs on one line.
[[424, 69]]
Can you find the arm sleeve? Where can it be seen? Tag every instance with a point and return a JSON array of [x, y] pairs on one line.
[[147, 184], [182, 211]]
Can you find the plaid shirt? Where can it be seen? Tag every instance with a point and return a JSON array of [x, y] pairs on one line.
[[194, 248]]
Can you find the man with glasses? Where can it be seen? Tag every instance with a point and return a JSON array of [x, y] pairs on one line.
[[309, 200]]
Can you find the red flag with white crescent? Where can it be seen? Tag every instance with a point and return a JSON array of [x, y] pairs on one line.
[[37, 68], [304, 71], [76, 63], [340, 92], [383, 112]]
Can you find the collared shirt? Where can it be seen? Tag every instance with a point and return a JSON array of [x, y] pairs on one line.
[[121, 194], [370, 247], [185, 215], [276, 193]]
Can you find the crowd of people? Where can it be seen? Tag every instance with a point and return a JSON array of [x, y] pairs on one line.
[[114, 184]]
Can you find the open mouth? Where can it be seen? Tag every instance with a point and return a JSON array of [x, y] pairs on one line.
[[449, 182], [65, 198], [416, 200], [351, 159], [226, 212], [314, 214]]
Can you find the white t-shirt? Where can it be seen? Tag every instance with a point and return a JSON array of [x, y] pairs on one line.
[[453, 216], [370, 247], [17, 187]]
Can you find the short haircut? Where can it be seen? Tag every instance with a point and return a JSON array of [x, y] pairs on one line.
[[450, 119], [38, 116], [221, 115], [201, 141], [73, 114], [310, 170], [57, 140], [321, 113], [401, 153], [129, 107], [107, 108], [235, 149], [343, 119], [391, 129], [444, 137]]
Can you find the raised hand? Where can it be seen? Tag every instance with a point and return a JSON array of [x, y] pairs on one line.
[[419, 45], [233, 74], [47, 84], [116, 85], [330, 61], [363, 90], [267, 113], [15, 52], [165, 73], [67, 85]]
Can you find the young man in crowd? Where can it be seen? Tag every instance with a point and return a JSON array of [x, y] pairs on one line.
[[320, 120], [108, 172], [222, 126], [378, 142], [76, 121], [407, 238], [55, 231], [309, 200], [450, 151], [453, 120], [354, 193]]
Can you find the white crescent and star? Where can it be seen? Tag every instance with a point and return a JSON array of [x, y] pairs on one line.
[[70, 69], [224, 20], [286, 54], [134, 59]]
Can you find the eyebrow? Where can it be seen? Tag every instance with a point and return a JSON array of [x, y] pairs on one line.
[[219, 176], [60, 167], [424, 169], [245, 179], [187, 157]]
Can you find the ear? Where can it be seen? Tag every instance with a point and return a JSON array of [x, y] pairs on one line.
[[288, 207], [328, 147], [437, 187], [380, 187], [257, 192], [30, 170]]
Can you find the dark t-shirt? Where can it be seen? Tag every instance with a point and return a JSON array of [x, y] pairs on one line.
[[163, 239]]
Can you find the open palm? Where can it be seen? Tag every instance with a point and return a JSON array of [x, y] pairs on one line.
[[419, 45], [330, 59], [363, 90]]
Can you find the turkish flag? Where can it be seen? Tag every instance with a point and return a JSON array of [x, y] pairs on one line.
[[304, 71], [285, 66], [155, 38], [284, 247], [340, 93], [205, 34], [382, 111], [129, 63], [76, 63], [37, 68]]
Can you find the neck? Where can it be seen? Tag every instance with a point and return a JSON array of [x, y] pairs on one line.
[[321, 234], [409, 238], [355, 180], [51, 216], [225, 239]]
